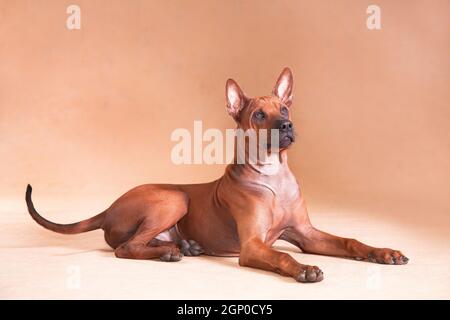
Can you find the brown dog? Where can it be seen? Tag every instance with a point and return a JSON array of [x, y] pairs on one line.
[[241, 214]]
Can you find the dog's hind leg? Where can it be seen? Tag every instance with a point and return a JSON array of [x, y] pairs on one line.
[[140, 245]]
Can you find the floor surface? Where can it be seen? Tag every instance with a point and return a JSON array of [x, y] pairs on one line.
[[39, 264]]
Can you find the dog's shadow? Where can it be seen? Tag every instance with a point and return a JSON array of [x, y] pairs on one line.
[[232, 262]]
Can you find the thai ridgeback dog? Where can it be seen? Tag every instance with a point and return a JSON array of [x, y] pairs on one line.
[[241, 214]]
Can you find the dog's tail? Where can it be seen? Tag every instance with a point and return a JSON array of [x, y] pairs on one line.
[[79, 227]]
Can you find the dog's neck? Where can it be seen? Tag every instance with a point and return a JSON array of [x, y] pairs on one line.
[[268, 166], [273, 173]]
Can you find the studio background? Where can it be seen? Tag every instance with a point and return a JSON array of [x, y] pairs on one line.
[[87, 114]]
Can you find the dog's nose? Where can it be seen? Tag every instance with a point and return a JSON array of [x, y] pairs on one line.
[[286, 125]]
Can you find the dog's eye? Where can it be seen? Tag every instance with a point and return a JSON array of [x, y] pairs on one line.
[[284, 111], [260, 115]]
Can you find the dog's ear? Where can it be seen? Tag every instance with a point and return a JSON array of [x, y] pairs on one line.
[[235, 98], [283, 87]]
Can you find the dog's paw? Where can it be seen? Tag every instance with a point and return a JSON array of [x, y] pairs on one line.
[[309, 274], [190, 248], [387, 256], [172, 256]]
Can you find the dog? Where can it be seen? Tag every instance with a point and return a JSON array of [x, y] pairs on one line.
[[241, 214]]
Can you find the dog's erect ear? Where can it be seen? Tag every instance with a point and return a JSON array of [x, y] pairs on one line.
[[283, 87], [235, 98]]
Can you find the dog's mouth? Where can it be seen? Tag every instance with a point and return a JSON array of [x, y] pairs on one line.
[[286, 140]]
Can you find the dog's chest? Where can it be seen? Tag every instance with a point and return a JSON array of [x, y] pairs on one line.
[[286, 198]]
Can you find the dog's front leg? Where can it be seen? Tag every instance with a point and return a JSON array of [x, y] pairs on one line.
[[311, 240], [256, 254]]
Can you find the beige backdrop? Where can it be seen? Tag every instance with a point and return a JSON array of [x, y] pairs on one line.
[[87, 114]]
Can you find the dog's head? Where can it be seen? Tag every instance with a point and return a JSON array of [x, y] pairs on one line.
[[267, 112]]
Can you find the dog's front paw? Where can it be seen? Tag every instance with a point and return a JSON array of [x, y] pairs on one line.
[[309, 274], [387, 256], [190, 248]]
